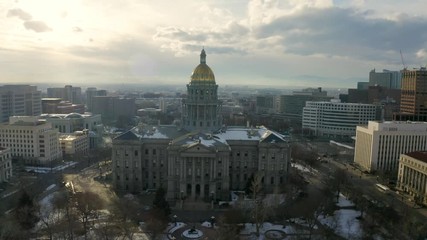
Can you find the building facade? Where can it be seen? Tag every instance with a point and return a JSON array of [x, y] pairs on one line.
[[30, 139], [90, 94], [379, 144], [58, 106], [201, 159], [67, 93], [5, 164], [414, 95], [386, 78], [412, 175], [111, 108], [336, 119], [70, 123], [76, 143], [19, 100]]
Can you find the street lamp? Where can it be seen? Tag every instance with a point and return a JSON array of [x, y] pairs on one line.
[[174, 219]]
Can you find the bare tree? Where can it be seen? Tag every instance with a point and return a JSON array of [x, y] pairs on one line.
[[258, 212], [230, 224], [156, 223], [87, 206]]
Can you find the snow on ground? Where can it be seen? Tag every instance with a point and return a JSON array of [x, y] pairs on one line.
[[344, 221], [251, 228], [303, 168], [344, 202]]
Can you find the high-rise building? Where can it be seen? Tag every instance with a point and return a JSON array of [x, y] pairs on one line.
[[379, 144], [67, 93], [386, 78], [111, 108], [33, 140], [19, 100], [336, 119], [201, 160], [413, 102], [293, 104], [90, 94]]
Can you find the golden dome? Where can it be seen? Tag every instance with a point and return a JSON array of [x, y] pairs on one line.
[[203, 72]]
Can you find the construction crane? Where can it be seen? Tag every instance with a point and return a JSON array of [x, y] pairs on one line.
[[403, 62]]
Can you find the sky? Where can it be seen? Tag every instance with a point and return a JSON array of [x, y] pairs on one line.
[[318, 43]]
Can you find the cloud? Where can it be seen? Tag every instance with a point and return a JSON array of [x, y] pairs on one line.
[[37, 26], [344, 33], [21, 14], [77, 29]]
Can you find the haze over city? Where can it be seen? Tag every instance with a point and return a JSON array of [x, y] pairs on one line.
[[281, 43]]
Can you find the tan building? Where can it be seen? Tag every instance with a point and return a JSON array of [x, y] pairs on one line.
[[5, 164], [31, 139], [414, 95], [412, 175], [76, 143], [201, 160], [379, 144]]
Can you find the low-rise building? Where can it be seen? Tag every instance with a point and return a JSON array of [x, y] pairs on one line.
[[69, 123], [57, 105], [31, 139], [5, 164], [75, 144], [379, 144], [412, 175]]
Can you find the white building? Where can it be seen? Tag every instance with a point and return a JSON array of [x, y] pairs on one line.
[[76, 143], [69, 123], [412, 175], [31, 139], [379, 144], [5, 164], [19, 100], [336, 119]]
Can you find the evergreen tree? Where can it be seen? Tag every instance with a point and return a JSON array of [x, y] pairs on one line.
[[25, 212], [160, 202]]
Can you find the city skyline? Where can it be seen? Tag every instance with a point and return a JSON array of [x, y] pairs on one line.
[[282, 43]]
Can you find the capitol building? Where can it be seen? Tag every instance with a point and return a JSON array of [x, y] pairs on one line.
[[201, 159]]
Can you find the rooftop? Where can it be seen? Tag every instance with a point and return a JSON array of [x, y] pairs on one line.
[[419, 155]]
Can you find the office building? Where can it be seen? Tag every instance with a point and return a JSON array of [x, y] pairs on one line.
[[58, 106], [19, 100], [386, 78], [74, 144], [111, 108], [379, 144], [90, 94], [336, 119], [31, 139], [293, 104], [201, 160], [413, 105], [5, 164], [412, 175], [67, 93], [69, 123]]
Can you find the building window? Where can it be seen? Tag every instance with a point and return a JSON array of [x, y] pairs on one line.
[[136, 152]]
